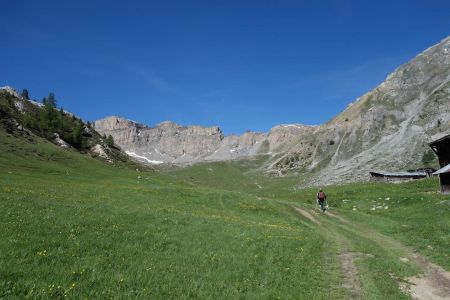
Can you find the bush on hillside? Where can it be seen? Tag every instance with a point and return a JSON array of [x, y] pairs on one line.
[[428, 157], [109, 140]]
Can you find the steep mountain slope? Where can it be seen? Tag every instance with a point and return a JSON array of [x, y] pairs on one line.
[[30, 119], [387, 128]]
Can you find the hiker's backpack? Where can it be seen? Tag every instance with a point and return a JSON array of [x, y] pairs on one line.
[[321, 196]]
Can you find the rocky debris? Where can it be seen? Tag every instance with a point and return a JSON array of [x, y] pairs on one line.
[[100, 151], [12, 126], [59, 141], [287, 134], [234, 147], [18, 104], [17, 125]]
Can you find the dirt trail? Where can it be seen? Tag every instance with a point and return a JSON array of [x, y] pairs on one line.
[[307, 215], [339, 218], [347, 259], [351, 280], [434, 283]]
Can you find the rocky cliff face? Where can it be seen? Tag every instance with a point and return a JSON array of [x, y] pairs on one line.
[[387, 128], [169, 142]]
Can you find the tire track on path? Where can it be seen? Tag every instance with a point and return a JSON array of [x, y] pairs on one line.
[[351, 283], [434, 283]]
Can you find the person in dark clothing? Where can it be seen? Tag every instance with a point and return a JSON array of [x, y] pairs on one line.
[[321, 198]]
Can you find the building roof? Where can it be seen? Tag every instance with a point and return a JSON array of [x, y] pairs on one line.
[[445, 169], [434, 143], [400, 174]]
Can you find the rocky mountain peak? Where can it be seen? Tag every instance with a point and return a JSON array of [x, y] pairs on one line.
[[115, 123], [168, 124]]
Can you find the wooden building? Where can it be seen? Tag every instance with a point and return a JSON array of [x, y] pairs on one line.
[[397, 176], [442, 149]]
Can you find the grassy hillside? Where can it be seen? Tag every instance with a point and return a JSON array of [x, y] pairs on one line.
[[76, 227], [29, 119]]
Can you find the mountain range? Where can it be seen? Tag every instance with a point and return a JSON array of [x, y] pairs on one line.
[[387, 128]]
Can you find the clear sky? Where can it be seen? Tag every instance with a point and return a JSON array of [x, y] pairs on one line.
[[242, 65]]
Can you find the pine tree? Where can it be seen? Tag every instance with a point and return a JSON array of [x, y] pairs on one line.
[[24, 94], [110, 140], [51, 100], [77, 135]]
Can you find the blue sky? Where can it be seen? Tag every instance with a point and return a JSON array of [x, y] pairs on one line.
[[242, 65]]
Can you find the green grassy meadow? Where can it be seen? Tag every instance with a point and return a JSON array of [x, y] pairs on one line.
[[75, 227], [413, 212]]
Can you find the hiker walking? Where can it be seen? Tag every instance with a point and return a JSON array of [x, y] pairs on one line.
[[321, 197]]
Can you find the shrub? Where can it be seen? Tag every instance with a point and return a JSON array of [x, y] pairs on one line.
[[428, 157], [110, 140]]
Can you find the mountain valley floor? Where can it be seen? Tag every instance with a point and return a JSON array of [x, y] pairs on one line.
[[73, 226]]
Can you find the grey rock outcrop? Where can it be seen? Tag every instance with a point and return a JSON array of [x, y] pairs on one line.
[[100, 150], [59, 141], [10, 91]]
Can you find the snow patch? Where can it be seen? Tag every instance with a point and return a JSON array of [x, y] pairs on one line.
[[132, 154], [38, 104]]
